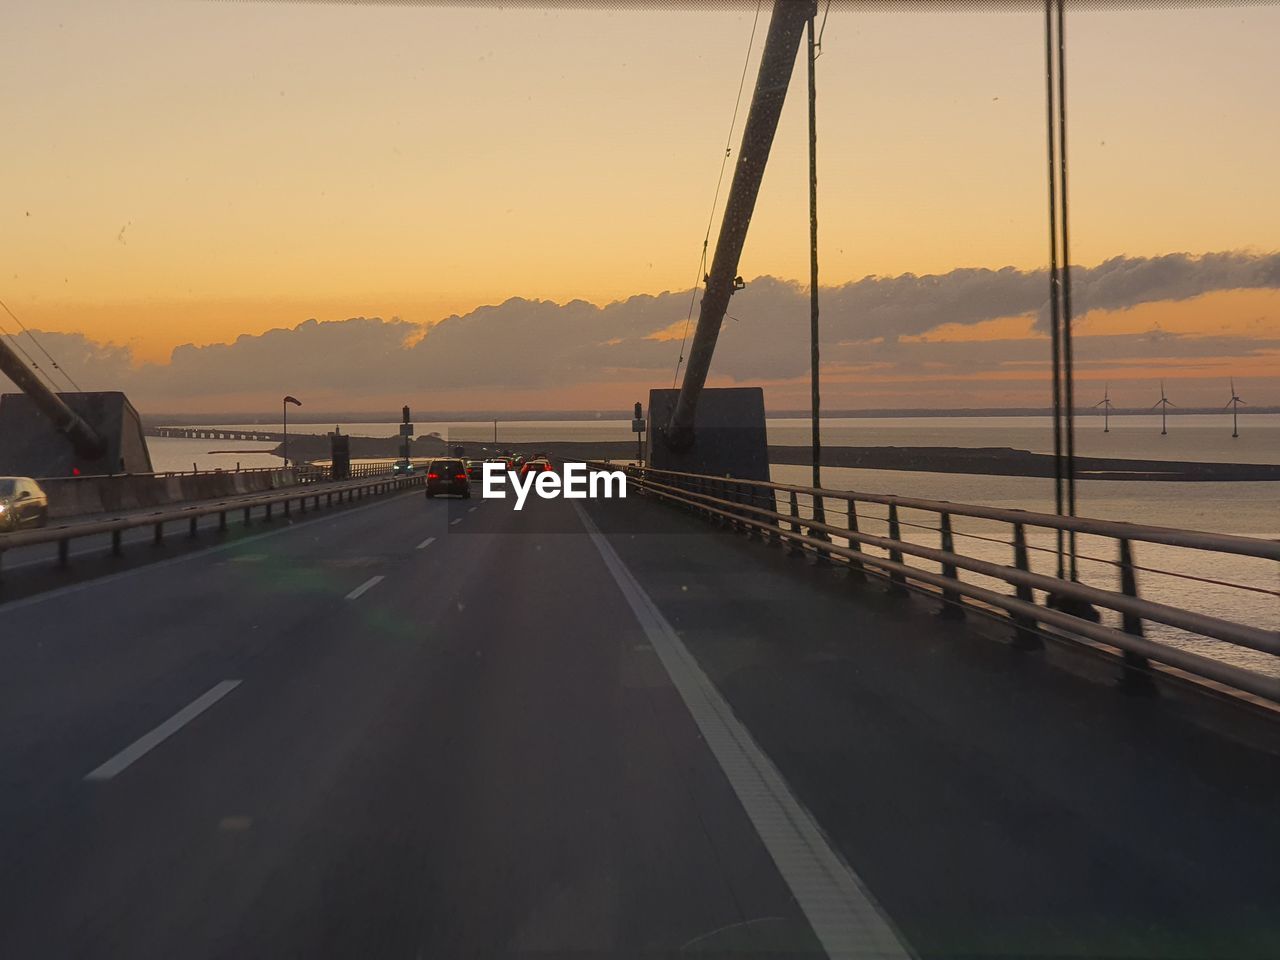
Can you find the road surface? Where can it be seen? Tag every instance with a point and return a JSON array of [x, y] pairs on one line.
[[441, 728]]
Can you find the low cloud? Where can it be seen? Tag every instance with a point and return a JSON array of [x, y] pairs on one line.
[[535, 345]]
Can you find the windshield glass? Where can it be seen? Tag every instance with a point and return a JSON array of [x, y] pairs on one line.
[[882, 556]]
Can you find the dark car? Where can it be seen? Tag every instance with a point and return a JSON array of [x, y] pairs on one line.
[[22, 504], [403, 468], [475, 470], [507, 463], [448, 476]]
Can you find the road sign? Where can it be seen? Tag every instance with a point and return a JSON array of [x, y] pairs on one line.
[[637, 425], [406, 429]]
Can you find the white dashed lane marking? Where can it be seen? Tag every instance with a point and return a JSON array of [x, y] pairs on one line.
[[149, 741], [426, 543], [364, 588]]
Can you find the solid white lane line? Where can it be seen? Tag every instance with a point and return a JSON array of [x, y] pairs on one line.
[[471, 509], [454, 523], [364, 588], [426, 543], [149, 741], [835, 901]]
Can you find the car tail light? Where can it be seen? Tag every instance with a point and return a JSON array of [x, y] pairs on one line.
[[433, 476], [546, 467], [459, 476]]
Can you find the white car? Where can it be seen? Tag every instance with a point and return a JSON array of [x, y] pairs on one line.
[[22, 504]]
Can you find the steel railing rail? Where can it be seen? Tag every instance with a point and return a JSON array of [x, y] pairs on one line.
[[1021, 606], [303, 473], [1117, 529], [343, 491], [1265, 641]]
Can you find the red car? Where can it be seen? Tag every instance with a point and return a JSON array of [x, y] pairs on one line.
[[535, 466]]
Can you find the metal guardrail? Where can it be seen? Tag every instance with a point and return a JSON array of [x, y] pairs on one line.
[[304, 473], [774, 511], [341, 491], [309, 473]]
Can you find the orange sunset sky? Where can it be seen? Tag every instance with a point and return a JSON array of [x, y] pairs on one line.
[[196, 172]]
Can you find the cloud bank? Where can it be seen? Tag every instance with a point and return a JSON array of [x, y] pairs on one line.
[[533, 345]]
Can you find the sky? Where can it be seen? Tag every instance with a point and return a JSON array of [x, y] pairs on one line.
[[210, 203]]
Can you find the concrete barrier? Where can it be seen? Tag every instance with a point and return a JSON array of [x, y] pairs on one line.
[[79, 496]]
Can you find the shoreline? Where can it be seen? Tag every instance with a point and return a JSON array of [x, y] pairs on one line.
[[980, 461]]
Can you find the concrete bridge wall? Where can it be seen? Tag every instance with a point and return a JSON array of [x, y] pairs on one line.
[[76, 496]]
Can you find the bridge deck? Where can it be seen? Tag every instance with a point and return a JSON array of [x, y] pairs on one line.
[[483, 753]]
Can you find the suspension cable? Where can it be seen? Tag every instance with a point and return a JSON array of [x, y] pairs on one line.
[[1068, 376], [23, 327], [1054, 316], [724, 162], [17, 345]]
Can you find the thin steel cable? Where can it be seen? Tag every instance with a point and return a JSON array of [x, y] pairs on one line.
[[1086, 557], [1068, 376], [724, 162], [815, 392], [1054, 282], [823, 28], [753, 497], [23, 327], [17, 345]]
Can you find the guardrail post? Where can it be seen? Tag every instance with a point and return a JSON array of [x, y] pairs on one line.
[[157, 536], [819, 507], [897, 582], [64, 553], [794, 549], [286, 506], [115, 543], [222, 521], [742, 497], [952, 604], [770, 533], [857, 572], [193, 529], [1135, 676], [247, 519], [267, 515], [1025, 637]]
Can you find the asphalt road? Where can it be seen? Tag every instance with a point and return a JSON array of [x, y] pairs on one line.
[[409, 746], [440, 728]]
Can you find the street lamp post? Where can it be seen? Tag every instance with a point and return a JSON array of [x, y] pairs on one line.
[[285, 407]]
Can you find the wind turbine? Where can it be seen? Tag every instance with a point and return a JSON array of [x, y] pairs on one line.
[[1234, 404], [1164, 404], [1106, 405]]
